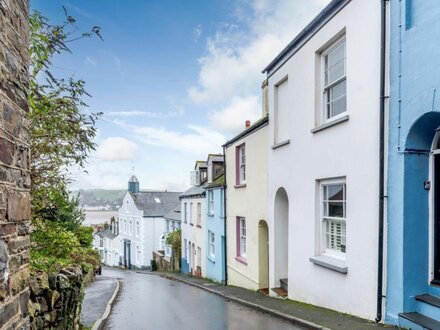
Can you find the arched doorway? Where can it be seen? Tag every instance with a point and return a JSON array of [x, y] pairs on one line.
[[421, 208], [281, 241], [263, 255]]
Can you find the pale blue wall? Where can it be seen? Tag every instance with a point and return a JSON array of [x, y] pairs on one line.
[[215, 268], [413, 118]]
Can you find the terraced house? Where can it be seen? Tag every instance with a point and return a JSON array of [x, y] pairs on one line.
[[324, 137]]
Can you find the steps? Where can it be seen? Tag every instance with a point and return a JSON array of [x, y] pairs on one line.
[[280, 292], [417, 321], [426, 316], [285, 284]]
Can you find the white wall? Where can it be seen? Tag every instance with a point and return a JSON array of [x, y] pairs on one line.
[[193, 233], [349, 149]]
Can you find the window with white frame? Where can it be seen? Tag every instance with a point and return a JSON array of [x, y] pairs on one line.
[[241, 239], [173, 226], [167, 226], [185, 215], [199, 257], [282, 105], [191, 213], [199, 214], [334, 80], [138, 228], [333, 217], [210, 202], [185, 247], [130, 228], [125, 226], [211, 237], [241, 164], [138, 254]]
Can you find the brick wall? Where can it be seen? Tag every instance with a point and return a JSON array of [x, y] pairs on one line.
[[14, 165]]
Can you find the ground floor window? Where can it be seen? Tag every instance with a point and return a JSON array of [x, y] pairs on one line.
[[333, 217], [241, 237], [211, 237], [138, 254]]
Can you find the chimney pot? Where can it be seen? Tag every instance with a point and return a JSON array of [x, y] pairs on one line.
[[248, 123]]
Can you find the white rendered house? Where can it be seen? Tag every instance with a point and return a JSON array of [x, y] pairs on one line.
[[142, 225], [193, 215], [323, 186]]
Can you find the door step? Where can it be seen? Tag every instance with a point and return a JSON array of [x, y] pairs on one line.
[[418, 321], [428, 299], [264, 291], [280, 292], [284, 284]]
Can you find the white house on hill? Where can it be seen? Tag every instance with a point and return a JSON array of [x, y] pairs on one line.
[[142, 224]]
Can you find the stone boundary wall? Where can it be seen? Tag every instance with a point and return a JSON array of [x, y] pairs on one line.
[[14, 165], [56, 299]]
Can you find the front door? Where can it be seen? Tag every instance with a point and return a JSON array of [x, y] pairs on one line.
[[436, 217]]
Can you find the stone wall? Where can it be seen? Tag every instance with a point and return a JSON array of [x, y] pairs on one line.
[[165, 264], [14, 165], [55, 300]]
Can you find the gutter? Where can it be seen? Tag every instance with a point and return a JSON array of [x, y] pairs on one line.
[[383, 97], [225, 217]]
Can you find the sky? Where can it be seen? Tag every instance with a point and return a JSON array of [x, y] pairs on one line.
[[175, 79]]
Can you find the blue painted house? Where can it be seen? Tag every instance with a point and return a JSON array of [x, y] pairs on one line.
[[413, 232], [215, 220]]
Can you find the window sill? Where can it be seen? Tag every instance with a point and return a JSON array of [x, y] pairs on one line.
[[191, 224], [241, 260], [210, 215], [211, 258], [330, 263], [330, 124], [198, 226], [242, 185], [280, 144]]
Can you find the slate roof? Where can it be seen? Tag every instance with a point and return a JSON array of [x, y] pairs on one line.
[[146, 201], [106, 233], [174, 214], [194, 191]]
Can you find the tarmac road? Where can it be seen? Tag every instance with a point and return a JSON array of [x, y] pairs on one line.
[[151, 302]]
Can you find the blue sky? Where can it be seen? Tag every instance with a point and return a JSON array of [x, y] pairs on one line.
[[175, 79]]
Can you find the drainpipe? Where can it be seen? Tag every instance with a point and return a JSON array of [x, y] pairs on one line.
[[225, 218], [381, 162]]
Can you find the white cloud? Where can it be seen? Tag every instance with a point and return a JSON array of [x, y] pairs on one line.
[[196, 140], [117, 149], [230, 69], [90, 61], [232, 118], [197, 32]]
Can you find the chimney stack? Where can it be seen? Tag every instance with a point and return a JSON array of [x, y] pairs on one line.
[[248, 124], [265, 97]]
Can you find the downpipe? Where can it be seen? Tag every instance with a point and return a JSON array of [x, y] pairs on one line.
[[381, 163], [225, 217]]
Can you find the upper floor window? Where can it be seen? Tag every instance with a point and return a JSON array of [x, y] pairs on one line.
[[125, 226], [333, 217], [138, 228], [210, 202], [126, 206], [282, 104], [199, 214], [185, 215], [334, 80], [130, 228], [241, 165], [191, 213]]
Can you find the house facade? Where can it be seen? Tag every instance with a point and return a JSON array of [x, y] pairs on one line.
[[323, 182], [106, 242], [193, 219], [246, 195], [142, 224], [413, 232], [172, 223], [215, 221]]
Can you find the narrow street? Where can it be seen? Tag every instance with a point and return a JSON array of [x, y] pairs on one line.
[[152, 302]]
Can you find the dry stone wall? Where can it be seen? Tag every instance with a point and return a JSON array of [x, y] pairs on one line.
[[14, 165]]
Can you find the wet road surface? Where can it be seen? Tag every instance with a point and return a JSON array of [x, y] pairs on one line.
[[152, 302]]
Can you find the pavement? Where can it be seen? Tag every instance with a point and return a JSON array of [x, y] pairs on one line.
[[303, 315], [98, 297]]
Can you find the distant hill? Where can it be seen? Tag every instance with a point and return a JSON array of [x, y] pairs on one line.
[[100, 199]]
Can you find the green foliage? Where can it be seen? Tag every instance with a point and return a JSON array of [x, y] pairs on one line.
[[61, 136], [175, 240]]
